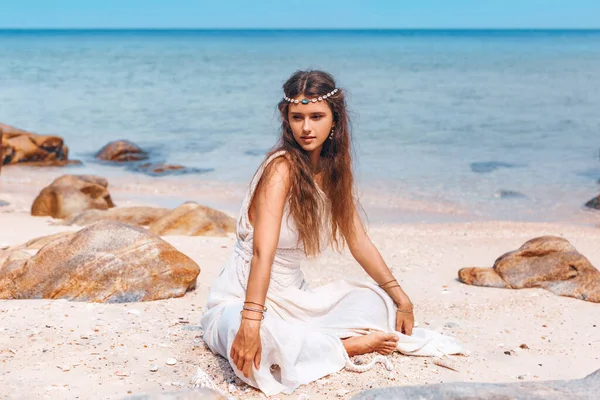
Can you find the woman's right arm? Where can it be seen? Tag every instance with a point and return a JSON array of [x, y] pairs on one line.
[[268, 207]]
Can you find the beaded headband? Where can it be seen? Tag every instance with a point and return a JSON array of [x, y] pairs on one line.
[[306, 101]]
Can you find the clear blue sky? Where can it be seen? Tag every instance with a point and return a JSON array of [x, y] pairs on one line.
[[299, 14]]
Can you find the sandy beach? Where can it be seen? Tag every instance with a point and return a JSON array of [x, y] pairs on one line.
[[70, 350]]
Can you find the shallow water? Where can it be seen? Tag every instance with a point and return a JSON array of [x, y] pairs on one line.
[[492, 124]]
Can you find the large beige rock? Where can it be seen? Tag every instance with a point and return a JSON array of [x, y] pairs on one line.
[[104, 262], [548, 262], [69, 195], [192, 219], [138, 216], [121, 151], [19, 146]]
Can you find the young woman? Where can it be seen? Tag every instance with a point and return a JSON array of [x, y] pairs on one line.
[[276, 332]]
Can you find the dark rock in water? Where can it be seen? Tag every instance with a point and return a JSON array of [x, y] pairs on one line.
[[69, 195], [121, 151], [256, 152], [107, 262], [548, 262], [510, 194], [489, 166], [577, 389], [594, 203], [161, 169]]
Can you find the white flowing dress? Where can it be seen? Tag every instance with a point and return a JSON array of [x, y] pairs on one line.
[[303, 327]]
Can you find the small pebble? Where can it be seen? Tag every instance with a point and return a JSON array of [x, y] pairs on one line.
[[171, 361], [192, 328], [524, 346], [232, 389], [451, 325], [121, 373], [65, 368], [521, 377], [154, 368]]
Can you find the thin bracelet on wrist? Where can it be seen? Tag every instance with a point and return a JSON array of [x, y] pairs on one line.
[[252, 319]]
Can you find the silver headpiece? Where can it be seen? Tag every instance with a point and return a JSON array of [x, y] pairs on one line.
[[306, 101]]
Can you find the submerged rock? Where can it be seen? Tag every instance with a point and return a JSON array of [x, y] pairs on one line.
[[510, 194], [69, 195], [548, 262], [121, 151], [161, 169], [107, 262], [577, 389], [18, 146], [489, 166]]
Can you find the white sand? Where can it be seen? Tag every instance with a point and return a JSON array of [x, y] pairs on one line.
[[67, 350]]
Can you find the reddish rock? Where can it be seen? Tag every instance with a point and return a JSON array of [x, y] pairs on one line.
[[121, 151], [192, 219], [105, 262], [19, 146], [69, 195], [547, 262]]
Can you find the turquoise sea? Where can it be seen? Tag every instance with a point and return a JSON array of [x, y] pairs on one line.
[[505, 124]]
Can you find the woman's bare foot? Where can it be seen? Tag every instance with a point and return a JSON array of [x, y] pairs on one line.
[[381, 342]]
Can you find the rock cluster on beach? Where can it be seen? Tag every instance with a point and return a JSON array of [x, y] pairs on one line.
[[84, 199], [548, 262], [104, 262], [129, 153], [20, 146]]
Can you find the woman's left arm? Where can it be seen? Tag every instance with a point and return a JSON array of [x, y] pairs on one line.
[[367, 255]]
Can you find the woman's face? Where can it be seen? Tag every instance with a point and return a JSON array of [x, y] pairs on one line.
[[311, 123]]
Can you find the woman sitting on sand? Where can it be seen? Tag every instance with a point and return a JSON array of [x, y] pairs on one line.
[[276, 332]]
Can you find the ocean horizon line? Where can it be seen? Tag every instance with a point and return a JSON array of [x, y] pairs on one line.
[[399, 30]]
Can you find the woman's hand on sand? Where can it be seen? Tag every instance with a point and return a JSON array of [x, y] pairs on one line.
[[405, 318], [405, 322], [246, 348]]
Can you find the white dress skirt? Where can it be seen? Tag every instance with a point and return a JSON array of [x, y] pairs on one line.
[[303, 327]]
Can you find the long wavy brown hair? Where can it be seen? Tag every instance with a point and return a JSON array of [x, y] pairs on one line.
[[305, 204]]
